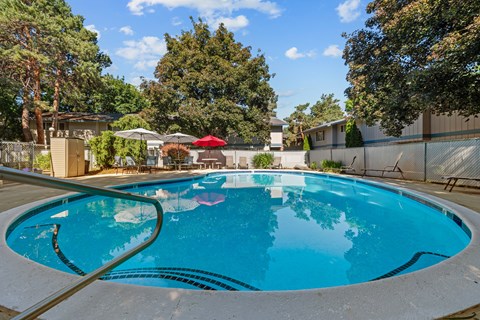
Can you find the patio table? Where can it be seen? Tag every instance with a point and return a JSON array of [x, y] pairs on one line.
[[210, 161]]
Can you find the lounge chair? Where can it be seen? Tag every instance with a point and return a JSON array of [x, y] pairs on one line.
[[394, 168], [349, 167], [455, 179], [242, 163], [229, 164], [130, 165], [277, 163]]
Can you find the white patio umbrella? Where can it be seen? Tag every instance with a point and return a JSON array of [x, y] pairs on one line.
[[179, 138], [139, 134]]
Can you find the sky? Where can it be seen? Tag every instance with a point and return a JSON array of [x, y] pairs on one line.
[[301, 39]]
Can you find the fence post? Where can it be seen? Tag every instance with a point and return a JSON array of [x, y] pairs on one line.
[[425, 162], [32, 156]]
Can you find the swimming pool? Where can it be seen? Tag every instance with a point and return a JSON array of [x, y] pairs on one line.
[[246, 231]]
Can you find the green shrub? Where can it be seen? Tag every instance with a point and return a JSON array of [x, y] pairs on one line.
[[353, 136], [330, 165], [103, 149], [306, 143], [313, 165], [262, 160], [42, 161]]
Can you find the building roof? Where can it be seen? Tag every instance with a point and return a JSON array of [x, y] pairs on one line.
[[82, 117], [327, 124], [274, 121]]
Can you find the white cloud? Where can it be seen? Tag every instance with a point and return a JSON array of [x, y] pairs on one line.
[[348, 10], [145, 64], [293, 54], [206, 7], [126, 30], [136, 81], [233, 24], [91, 27], [176, 21], [332, 51], [145, 52], [113, 68], [287, 93], [214, 11]]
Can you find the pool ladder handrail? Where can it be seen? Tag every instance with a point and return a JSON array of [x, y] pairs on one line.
[[50, 182]]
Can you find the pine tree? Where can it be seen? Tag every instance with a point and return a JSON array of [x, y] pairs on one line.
[[353, 136]]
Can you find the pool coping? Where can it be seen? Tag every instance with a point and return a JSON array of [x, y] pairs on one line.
[[439, 290]]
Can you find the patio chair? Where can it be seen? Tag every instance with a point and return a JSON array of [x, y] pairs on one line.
[[118, 164], [130, 165], [242, 163], [150, 164], [168, 163], [277, 163], [349, 167], [394, 168], [229, 164], [187, 163]]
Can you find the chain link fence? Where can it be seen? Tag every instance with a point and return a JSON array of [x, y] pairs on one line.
[[18, 155]]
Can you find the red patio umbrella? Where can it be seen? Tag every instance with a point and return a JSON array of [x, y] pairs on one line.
[[209, 141], [210, 198]]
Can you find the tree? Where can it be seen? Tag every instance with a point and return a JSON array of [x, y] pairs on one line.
[[298, 121], [353, 136], [10, 128], [117, 96], [326, 109], [22, 51], [209, 83], [414, 56], [44, 47], [75, 59]]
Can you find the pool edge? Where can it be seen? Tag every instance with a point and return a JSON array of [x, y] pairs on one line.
[[429, 293]]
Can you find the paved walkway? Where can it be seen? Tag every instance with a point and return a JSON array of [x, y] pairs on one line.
[[14, 194]]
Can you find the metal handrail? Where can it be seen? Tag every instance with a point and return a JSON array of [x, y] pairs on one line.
[[45, 181]]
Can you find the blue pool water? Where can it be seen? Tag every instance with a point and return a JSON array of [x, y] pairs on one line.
[[245, 231]]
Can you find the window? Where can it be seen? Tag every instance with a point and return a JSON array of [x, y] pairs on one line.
[[319, 135], [342, 128]]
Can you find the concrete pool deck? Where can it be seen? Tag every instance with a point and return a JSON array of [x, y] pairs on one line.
[[440, 290]]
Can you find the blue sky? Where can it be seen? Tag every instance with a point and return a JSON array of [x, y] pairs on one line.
[[301, 39]]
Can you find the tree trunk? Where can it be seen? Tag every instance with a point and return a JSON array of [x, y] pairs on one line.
[[27, 134], [56, 101], [37, 97]]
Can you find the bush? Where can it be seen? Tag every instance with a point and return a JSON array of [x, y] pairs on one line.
[[330, 165], [103, 149], [262, 160], [353, 136], [306, 143], [42, 161], [313, 165], [175, 151]]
